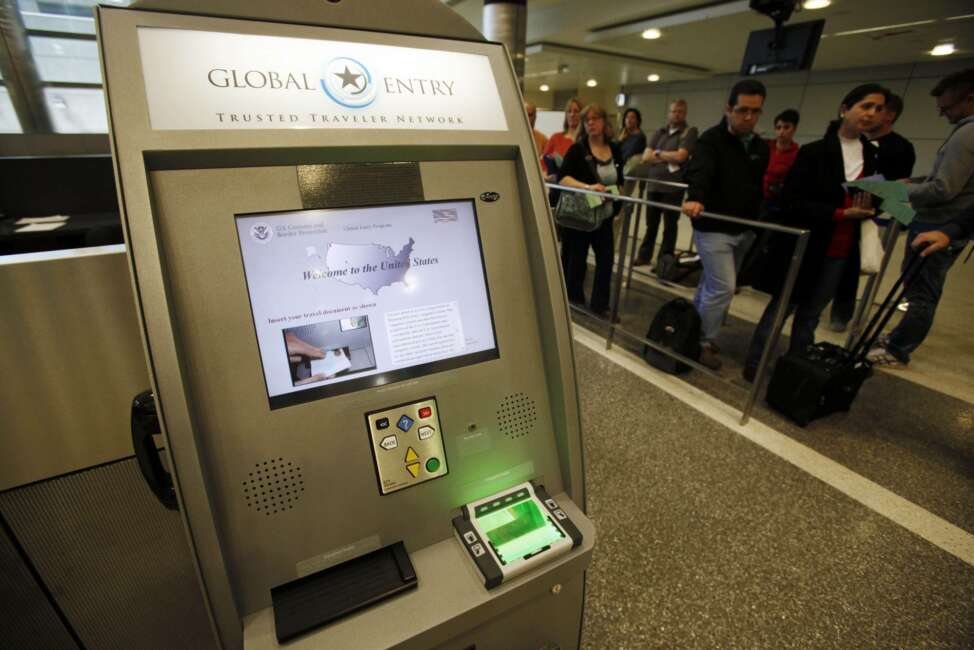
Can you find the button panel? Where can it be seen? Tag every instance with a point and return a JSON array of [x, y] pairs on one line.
[[424, 457]]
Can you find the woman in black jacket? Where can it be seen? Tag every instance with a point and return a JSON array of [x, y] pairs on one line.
[[594, 162], [814, 198]]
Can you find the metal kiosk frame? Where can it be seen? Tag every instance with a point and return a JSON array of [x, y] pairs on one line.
[[169, 177]]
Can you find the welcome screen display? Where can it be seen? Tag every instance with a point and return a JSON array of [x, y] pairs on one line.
[[348, 298]]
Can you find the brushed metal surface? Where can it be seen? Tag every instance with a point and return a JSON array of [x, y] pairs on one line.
[[73, 360], [115, 559], [28, 620]]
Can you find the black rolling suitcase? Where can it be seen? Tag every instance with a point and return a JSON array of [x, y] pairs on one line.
[[825, 378], [676, 326]]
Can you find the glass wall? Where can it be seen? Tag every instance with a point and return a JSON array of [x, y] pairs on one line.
[[61, 35]]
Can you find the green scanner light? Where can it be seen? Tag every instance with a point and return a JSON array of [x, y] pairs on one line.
[[518, 531]]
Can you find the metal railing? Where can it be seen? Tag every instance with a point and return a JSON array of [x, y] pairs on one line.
[[643, 188], [872, 284], [641, 204]]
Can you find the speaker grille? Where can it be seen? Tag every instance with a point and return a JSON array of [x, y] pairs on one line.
[[273, 486], [516, 415]]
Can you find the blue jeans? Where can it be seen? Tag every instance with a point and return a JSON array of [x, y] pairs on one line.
[[923, 294], [721, 256], [807, 313]]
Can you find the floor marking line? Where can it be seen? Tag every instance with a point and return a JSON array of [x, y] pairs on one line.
[[936, 530]]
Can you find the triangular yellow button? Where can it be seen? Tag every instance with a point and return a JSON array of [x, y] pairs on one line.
[[411, 456], [413, 468]]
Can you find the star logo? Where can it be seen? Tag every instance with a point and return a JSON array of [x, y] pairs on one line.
[[349, 78], [348, 83]]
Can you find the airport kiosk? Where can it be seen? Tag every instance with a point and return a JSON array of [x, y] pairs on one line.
[[352, 308]]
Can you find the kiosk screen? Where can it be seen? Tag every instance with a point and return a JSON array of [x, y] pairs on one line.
[[350, 298]]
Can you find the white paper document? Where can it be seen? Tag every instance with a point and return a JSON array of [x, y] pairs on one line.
[[334, 362], [40, 227], [57, 218]]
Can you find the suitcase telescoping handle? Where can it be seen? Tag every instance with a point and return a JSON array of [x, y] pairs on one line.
[[885, 312]]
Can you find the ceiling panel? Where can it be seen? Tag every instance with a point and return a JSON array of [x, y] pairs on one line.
[[717, 45]]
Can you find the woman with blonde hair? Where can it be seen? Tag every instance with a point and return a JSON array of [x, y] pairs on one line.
[[558, 144], [593, 162]]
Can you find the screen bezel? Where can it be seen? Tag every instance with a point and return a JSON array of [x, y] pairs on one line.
[[312, 394]]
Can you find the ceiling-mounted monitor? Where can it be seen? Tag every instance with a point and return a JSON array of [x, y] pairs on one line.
[[784, 49]]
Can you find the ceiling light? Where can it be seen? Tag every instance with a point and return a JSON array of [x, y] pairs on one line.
[[544, 88], [653, 77], [652, 34], [816, 4], [591, 83], [943, 49], [884, 28]]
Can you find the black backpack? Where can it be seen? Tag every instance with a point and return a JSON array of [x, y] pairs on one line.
[[677, 327]]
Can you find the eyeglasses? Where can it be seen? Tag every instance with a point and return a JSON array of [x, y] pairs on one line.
[[744, 110]]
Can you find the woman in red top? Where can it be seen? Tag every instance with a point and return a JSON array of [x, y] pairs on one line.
[[814, 198], [559, 143], [784, 150]]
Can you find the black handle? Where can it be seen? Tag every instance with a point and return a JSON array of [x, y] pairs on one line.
[[886, 310], [145, 424]]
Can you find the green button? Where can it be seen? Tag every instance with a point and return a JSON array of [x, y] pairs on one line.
[[432, 465]]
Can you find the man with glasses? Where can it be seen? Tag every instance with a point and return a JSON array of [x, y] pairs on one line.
[[725, 176], [944, 201]]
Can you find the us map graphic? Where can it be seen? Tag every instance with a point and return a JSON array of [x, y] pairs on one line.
[[380, 266]]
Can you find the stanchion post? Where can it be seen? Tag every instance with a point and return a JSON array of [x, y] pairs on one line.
[[640, 207], [779, 319], [616, 293], [872, 285]]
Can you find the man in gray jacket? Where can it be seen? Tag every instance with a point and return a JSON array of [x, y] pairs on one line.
[[942, 200]]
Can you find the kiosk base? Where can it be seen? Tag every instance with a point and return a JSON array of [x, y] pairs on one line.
[[449, 608]]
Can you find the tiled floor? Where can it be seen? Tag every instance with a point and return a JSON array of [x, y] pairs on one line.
[[707, 540]]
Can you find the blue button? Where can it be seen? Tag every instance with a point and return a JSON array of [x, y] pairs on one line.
[[405, 422]]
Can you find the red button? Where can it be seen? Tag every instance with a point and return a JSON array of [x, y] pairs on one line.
[[425, 412]]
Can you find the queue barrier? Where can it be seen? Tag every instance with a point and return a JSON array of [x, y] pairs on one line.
[[641, 204]]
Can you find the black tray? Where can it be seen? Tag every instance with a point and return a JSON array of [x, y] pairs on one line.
[[322, 597]]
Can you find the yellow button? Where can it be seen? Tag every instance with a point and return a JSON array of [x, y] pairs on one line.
[[411, 456], [413, 468]]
